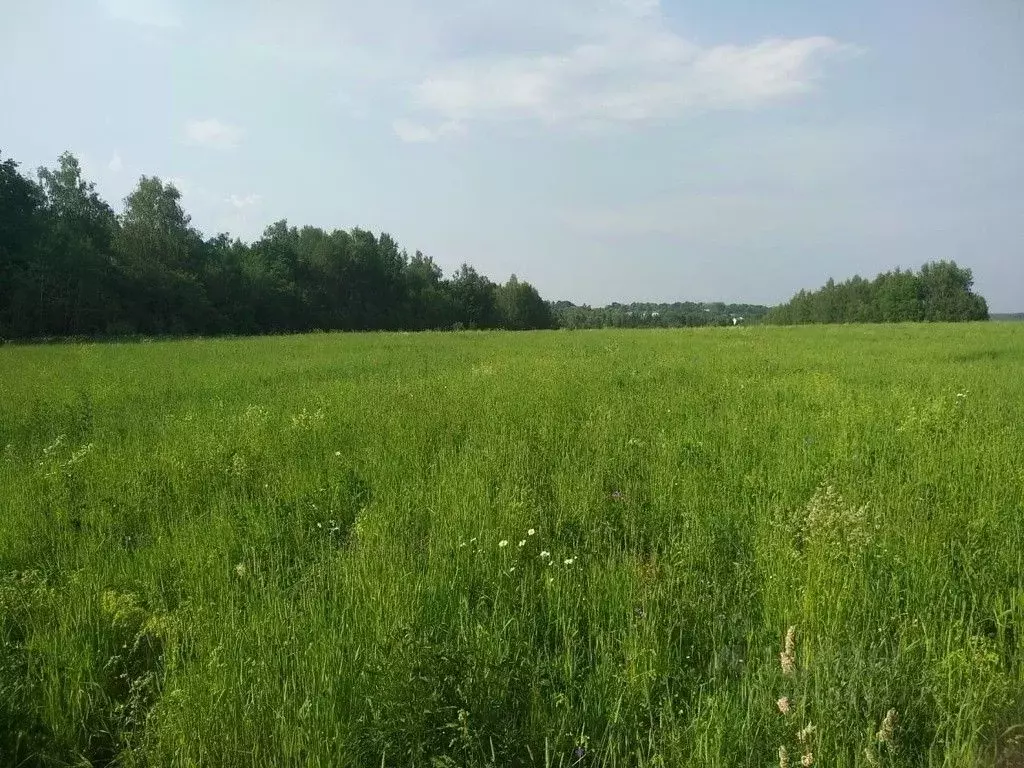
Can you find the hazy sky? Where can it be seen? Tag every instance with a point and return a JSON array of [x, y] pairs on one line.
[[601, 149]]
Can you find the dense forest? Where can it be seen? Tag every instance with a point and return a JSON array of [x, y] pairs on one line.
[[70, 266], [939, 292]]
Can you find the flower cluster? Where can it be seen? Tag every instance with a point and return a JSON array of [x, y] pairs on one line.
[[835, 525], [525, 552]]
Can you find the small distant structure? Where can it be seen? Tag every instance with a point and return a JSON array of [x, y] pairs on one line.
[[737, 320]]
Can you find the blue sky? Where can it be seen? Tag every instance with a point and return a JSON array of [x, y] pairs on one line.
[[601, 149]]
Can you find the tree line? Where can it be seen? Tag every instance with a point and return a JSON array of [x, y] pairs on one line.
[[680, 314], [939, 292], [71, 266]]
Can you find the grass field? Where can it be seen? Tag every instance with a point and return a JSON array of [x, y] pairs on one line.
[[493, 549]]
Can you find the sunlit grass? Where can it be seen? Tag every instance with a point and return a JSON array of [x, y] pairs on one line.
[[289, 551]]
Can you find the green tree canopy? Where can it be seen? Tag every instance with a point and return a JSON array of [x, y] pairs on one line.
[[939, 292], [70, 266]]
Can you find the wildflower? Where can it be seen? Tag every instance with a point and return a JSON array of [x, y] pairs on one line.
[[530, 532], [503, 543], [787, 659], [522, 543], [569, 561], [888, 728], [807, 760], [783, 757], [544, 555], [783, 705], [241, 570], [869, 755], [337, 453], [961, 394], [616, 496]]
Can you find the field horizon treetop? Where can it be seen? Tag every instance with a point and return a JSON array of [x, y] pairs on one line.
[[72, 267]]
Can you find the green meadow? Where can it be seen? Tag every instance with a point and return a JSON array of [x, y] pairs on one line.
[[713, 547]]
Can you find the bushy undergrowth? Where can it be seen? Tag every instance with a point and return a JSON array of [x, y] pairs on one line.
[[729, 547]]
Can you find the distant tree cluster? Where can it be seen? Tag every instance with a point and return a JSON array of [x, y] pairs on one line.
[[939, 292], [70, 266], [647, 315]]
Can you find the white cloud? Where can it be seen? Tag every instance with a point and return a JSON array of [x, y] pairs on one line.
[[116, 165], [212, 133], [630, 67], [243, 201], [148, 13], [417, 133], [576, 63], [635, 78]]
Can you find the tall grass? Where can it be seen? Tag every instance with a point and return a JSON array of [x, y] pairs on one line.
[[488, 549]]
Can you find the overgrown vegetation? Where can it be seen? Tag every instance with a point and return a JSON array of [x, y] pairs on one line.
[[545, 549]]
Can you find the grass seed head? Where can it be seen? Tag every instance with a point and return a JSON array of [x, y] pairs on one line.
[[887, 731], [787, 659]]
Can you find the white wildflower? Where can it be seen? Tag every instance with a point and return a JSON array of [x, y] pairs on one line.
[[503, 543], [544, 555], [522, 543], [569, 561], [530, 532]]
